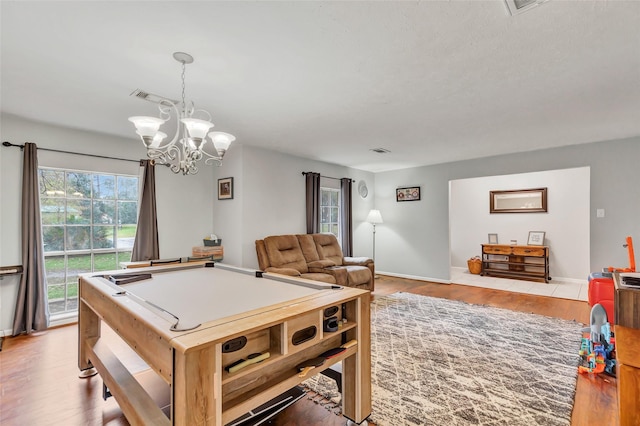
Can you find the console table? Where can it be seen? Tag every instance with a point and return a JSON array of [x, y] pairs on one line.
[[526, 262], [627, 328]]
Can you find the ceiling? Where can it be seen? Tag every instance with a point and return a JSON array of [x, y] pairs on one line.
[[430, 81]]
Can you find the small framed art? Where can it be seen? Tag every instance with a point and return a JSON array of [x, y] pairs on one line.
[[493, 238], [225, 188], [411, 193], [536, 238]]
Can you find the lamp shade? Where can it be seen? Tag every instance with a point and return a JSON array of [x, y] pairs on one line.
[[374, 217], [197, 128], [146, 126], [221, 140]]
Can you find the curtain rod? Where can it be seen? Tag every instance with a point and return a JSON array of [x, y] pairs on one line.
[[326, 177], [74, 153]]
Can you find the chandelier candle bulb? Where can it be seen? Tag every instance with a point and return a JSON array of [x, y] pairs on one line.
[[157, 140]]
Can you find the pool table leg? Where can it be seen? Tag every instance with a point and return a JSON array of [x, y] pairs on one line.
[[197, 387], [88, 329], [356, 369]]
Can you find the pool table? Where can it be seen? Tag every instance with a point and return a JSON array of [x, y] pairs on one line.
[[192, 324]]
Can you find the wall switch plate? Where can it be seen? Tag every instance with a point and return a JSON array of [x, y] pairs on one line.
[[599, 212]]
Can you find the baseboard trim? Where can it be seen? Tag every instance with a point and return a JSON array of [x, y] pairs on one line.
[[414, 277], [65, 319]]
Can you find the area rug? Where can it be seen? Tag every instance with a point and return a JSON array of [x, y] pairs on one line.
[[441, 362]]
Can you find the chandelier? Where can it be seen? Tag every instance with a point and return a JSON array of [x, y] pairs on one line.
[[186, 148]]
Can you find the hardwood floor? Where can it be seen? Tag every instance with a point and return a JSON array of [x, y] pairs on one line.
[[39, 382]]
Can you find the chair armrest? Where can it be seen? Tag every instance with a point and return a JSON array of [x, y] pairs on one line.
[[362, 261], [338, 272], [284, 271], [323, 263]]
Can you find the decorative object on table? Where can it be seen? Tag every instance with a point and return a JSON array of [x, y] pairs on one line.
[[513, 242], [493, 238], [411, 193], [506, 362], [362, 189], [374, 217], [475, 265], [536, 238], [518, 201], [189, 144], [225, 188], [212, 241]]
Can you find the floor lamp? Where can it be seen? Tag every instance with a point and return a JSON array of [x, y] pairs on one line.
[[373, 218]]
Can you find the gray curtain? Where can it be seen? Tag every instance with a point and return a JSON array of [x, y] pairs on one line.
[[345, 214], [145, 246], [312, 181], [32, 310]]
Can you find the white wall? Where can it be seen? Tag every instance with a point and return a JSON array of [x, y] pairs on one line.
[[185, 203], [568, 200], [414, 240], [270, 200]]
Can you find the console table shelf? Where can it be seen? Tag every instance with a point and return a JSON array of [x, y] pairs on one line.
[[525, 262]]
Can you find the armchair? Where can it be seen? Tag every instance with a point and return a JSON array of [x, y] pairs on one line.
[[359, 270]]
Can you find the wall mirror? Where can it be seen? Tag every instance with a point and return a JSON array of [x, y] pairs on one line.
[[518, 201]]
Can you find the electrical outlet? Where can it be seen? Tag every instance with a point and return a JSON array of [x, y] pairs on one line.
[[599, 212]]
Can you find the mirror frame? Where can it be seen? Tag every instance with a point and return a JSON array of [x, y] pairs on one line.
[[540, 195]]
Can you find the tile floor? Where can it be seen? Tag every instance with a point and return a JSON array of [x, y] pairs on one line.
[[559, 289]]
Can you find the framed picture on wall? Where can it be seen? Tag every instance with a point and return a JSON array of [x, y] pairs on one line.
[[518, 201], [411, 193], [225, 188]]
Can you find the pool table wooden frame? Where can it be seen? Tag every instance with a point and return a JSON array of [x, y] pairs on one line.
[[192, 362]]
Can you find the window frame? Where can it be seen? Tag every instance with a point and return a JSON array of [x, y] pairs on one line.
[[336, 208], [64, 283]]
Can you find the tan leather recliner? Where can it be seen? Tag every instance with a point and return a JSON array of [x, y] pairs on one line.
[[315, 257], [281, 254], [360, 270]]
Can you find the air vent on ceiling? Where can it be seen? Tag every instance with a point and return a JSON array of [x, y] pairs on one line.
[[518, 6], [380, 150], [150, 97]]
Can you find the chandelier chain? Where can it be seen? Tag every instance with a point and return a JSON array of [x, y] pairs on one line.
[[184, 67]]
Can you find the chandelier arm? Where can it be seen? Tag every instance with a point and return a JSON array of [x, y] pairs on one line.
[[159, 156], [210, 158], [213, 160], [195, 111], [175, 109]]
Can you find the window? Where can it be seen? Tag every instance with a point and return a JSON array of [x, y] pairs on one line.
[[330, 211], [89, 222]]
